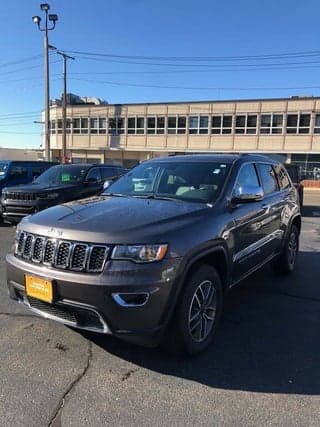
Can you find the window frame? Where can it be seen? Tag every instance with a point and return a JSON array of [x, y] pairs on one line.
[[198, 129]]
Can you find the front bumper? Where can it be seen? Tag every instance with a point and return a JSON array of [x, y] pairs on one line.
[[131, 301]]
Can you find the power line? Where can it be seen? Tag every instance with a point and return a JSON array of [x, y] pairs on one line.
[[20, 114], [25, 68], [194, 71], [20, 61], [196, 88], [300, 54]]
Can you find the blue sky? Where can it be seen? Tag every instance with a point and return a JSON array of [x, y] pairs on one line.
[[198, 31]]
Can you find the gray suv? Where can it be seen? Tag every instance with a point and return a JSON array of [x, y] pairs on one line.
[[152, 258]]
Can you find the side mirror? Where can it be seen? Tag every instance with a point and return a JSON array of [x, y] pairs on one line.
[[107, 184], [247, 193]]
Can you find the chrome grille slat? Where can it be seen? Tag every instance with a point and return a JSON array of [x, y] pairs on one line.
[[62, 254]]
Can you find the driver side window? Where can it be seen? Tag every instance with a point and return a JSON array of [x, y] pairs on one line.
[[94, 174]]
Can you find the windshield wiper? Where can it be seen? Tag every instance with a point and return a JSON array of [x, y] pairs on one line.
[[155, 197], [115, 194]]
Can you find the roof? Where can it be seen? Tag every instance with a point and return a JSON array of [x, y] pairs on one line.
[[212, 101], [225, 158]]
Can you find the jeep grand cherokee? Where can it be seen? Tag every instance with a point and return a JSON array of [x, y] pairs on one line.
[[152, 258]]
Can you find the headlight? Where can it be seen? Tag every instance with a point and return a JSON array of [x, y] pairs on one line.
[[140, 253], [48, 196]]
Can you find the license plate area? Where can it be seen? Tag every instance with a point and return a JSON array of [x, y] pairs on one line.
[[39, 288]]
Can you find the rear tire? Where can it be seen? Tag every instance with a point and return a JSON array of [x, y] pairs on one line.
[[198, 313], [286, 262]]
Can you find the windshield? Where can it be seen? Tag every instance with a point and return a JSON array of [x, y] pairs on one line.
[[3, 169], [189, 181], [70, 174]]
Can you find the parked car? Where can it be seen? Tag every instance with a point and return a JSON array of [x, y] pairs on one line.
[[14, 172], [152, 258], [59, 184], [295, 175]]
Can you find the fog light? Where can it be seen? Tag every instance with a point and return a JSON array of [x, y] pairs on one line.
[[136, 299]]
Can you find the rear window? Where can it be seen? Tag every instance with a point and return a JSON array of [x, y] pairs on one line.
[[294, 173]]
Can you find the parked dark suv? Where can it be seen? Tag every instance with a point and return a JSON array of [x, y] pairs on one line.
[[152, 258], [56, 185]]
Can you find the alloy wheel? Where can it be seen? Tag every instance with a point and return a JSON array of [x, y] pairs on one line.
[[202, 311]]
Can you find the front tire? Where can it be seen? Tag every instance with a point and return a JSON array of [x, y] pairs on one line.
[[286, 263], [198, 312]]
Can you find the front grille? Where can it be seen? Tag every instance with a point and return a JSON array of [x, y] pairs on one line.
[[80, 317], [62, 254], [15, 195]]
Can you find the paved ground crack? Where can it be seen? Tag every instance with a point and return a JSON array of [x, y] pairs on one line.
[[56, 418], [128, 374]]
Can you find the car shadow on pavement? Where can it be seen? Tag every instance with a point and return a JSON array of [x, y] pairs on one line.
[[268, 340]]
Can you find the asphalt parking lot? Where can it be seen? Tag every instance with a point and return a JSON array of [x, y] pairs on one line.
[[263, 368]]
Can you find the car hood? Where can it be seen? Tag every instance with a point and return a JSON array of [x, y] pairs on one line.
[[36, 188], [108, 219]]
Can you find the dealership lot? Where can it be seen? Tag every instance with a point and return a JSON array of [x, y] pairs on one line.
[[264, 367]]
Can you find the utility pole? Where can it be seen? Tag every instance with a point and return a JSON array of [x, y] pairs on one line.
[[64, 107], [36, 19]]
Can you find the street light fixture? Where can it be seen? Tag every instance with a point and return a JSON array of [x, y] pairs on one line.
[[37, 20]]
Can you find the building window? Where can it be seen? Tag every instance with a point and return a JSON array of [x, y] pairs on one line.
[[80, 125], [135, 125], [98, 125], [177, 124], [76, 125], [221, 124], [246, 123], [317, 123], [198, 124], [116, 125], [304, 123], [271, 123], [84, 125], [155, 125], [298, 123], [52, 126], [240, 124], [60, 126], [292, 123]]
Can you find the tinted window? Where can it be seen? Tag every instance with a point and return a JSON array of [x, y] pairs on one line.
[[108, 173], [37, 170], [18, 172], [94, 174], [268, 179], [190, 181]]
